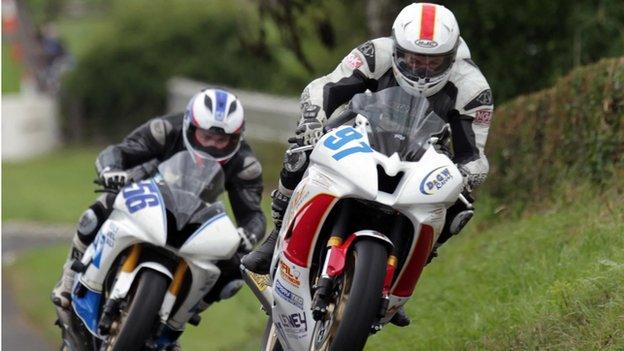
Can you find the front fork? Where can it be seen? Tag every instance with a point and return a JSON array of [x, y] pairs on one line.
[[111, 308], [333, 266]]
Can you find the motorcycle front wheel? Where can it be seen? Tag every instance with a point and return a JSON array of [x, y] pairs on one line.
[[349, 319], [269, 339], [134, 325]]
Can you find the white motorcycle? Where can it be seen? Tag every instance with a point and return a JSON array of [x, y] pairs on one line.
[[360, 225], [152, 261]]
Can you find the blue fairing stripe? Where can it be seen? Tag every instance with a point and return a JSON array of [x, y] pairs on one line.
[[87, 308], [212, 220]]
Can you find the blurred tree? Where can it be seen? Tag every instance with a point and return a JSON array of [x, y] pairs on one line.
[[520, 47]]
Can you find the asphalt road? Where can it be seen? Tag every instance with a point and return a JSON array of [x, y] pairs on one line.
[[17, 333]]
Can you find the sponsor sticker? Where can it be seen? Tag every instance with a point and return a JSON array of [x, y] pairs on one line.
[[289, 274], [435, 180], [353, 61], [294, 325], [483, 117], [288, 295], [424, 43], [261, 280]]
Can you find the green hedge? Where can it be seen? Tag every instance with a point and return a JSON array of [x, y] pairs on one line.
[[573, 131], [121, 80]]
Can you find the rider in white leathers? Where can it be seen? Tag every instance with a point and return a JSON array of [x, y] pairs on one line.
[[425, 56]]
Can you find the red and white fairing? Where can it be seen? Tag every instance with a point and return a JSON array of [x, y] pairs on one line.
[[427, 188]]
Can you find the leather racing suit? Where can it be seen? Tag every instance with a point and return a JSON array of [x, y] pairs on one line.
[[154, 142]]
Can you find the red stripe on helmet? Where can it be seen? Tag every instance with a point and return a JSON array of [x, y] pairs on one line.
[[427, 21]]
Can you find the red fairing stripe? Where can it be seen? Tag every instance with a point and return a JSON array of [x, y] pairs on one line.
[[408, 278], [427, 21], [306, 224]]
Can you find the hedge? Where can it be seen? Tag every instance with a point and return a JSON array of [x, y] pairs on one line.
[[572, 131]]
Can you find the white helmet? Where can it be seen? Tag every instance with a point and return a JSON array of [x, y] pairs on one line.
[[213, 125], [425, 37]]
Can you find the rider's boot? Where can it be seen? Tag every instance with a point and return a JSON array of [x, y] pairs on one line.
[[457, 216], [400, 318], [259, 260], [61, 294]]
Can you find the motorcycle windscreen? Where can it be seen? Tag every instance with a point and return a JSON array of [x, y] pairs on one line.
[[399, 122], [187, 186]]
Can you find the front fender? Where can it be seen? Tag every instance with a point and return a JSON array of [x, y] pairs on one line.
[[125, 279], [338, 254]]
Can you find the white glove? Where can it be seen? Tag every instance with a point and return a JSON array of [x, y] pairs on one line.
[[308, 133], [113, 179], [248, 240]]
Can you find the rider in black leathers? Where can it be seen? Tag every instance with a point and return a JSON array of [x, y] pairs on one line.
[[137, 157]]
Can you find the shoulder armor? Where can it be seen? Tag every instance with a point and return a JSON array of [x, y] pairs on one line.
[[159, 128], [251, 168], [473, 90], [373, 58]]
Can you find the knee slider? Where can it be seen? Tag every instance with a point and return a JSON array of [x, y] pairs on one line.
[[90, 223], [459, 221], [230, 289]]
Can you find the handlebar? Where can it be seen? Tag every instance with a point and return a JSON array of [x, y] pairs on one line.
[[339, 120]]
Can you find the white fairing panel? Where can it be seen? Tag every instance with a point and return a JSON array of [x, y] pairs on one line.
[[217, 239], [344, 154], [138, 216], [292, 314], [143, 205]]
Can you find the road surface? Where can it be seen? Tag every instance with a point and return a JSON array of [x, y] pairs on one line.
[[17, 333]]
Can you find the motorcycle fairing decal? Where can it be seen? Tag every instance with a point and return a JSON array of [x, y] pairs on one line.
[[306, 226], [430, 184], [136, 198], [141, 195], [87, 308], [342, 137], [288, 295], [407, 279], [98, 245]]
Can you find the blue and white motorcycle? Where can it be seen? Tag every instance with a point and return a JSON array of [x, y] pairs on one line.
[[151, 263]]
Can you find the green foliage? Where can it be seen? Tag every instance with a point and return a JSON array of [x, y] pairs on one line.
[[55, 188], [121, 80], [58, 187], [551, 281], [11, 71], [571, 131]]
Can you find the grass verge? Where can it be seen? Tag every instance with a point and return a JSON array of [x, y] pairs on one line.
[[58, 187]]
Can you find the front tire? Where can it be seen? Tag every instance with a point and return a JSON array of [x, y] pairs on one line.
[[136, 322], [350, 318], [270, 342]]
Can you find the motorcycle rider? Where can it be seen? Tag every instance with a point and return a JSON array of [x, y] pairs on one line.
[[426, 57], [212, 126]]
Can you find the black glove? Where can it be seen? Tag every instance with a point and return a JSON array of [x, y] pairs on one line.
[[279, 203]]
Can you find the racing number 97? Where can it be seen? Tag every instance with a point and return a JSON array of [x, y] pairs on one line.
[[341, 138], [137, 198]]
